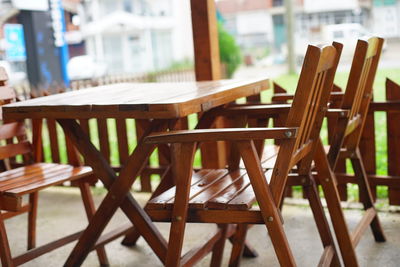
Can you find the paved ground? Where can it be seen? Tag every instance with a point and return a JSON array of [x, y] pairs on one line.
[[61, 212]]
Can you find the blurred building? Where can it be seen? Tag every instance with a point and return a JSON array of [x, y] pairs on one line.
[[386, 18], [262, 23], [137, 35], [250, 21]]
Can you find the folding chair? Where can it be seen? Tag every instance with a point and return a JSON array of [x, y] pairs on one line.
[[28, 179], [227, 196], [344, 140]]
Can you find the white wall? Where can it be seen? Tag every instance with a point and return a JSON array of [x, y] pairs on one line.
[[182, 38], [386, 21], [253, 22], [329, 5]]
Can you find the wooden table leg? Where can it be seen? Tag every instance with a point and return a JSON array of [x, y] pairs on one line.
[[118, 195]]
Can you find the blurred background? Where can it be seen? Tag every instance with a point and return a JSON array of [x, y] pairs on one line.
[[47, 44]]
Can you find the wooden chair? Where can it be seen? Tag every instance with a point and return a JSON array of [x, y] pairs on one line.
[[345, 133], [226, 196], [28, 179]]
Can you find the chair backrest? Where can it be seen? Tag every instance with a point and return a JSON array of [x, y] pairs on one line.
[[357, 97], [12, 134], [307, 113]]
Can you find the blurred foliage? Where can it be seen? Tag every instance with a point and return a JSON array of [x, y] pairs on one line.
[[230, 53]]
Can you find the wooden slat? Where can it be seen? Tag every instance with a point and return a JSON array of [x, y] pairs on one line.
[[122, 141], [26, 173], [12, 150], [200, 181], [36, 252], [200, 200], [102, 128], [393, 140], [228, 134], [38, 175], [363, 225], [10, 130], [368, 148], [212, 216], [53, 137], [74, 174]]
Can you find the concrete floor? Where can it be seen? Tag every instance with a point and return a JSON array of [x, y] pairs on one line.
[[61, 212]]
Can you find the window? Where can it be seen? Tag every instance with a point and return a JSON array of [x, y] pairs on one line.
[[128, 7], [277, 3]]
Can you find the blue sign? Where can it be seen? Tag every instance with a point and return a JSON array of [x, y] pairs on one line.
[[15, 43]]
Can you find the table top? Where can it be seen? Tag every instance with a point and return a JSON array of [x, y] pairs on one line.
[[137, 100]]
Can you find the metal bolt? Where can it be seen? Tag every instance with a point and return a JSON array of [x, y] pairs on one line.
[[327, 180], [178, 218], [303, 180], [270, 219], [288, 134], [342, 113]]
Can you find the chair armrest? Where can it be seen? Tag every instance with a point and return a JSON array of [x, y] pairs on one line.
[[225, 134]]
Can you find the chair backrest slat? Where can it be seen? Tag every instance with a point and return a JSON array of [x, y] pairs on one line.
[[10, 130], [12, 134], [357, 97], [307, 113]]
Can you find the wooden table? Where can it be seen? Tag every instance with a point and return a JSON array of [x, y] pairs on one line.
[[164, 103]]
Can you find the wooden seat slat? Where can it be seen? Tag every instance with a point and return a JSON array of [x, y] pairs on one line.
[[204, 177], [73, 174], [200, 201], [29, 169], [26, 173], [221, 200], [38, 177], [246, 199]]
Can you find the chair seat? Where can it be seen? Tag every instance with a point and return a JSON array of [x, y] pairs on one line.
[[219, 189], [213, 189], [24, 180]]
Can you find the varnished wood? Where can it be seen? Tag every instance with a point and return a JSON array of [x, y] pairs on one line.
[[344, 143], [227, 196], [30, 179], [129, 100]]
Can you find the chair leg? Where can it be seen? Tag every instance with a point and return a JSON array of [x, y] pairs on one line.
[[320, 219], [238, 245], [329, 185], [366, 195], [267, 204], [5, 252], [182, 167], [90, 210], [32, 215], [218, 249]]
